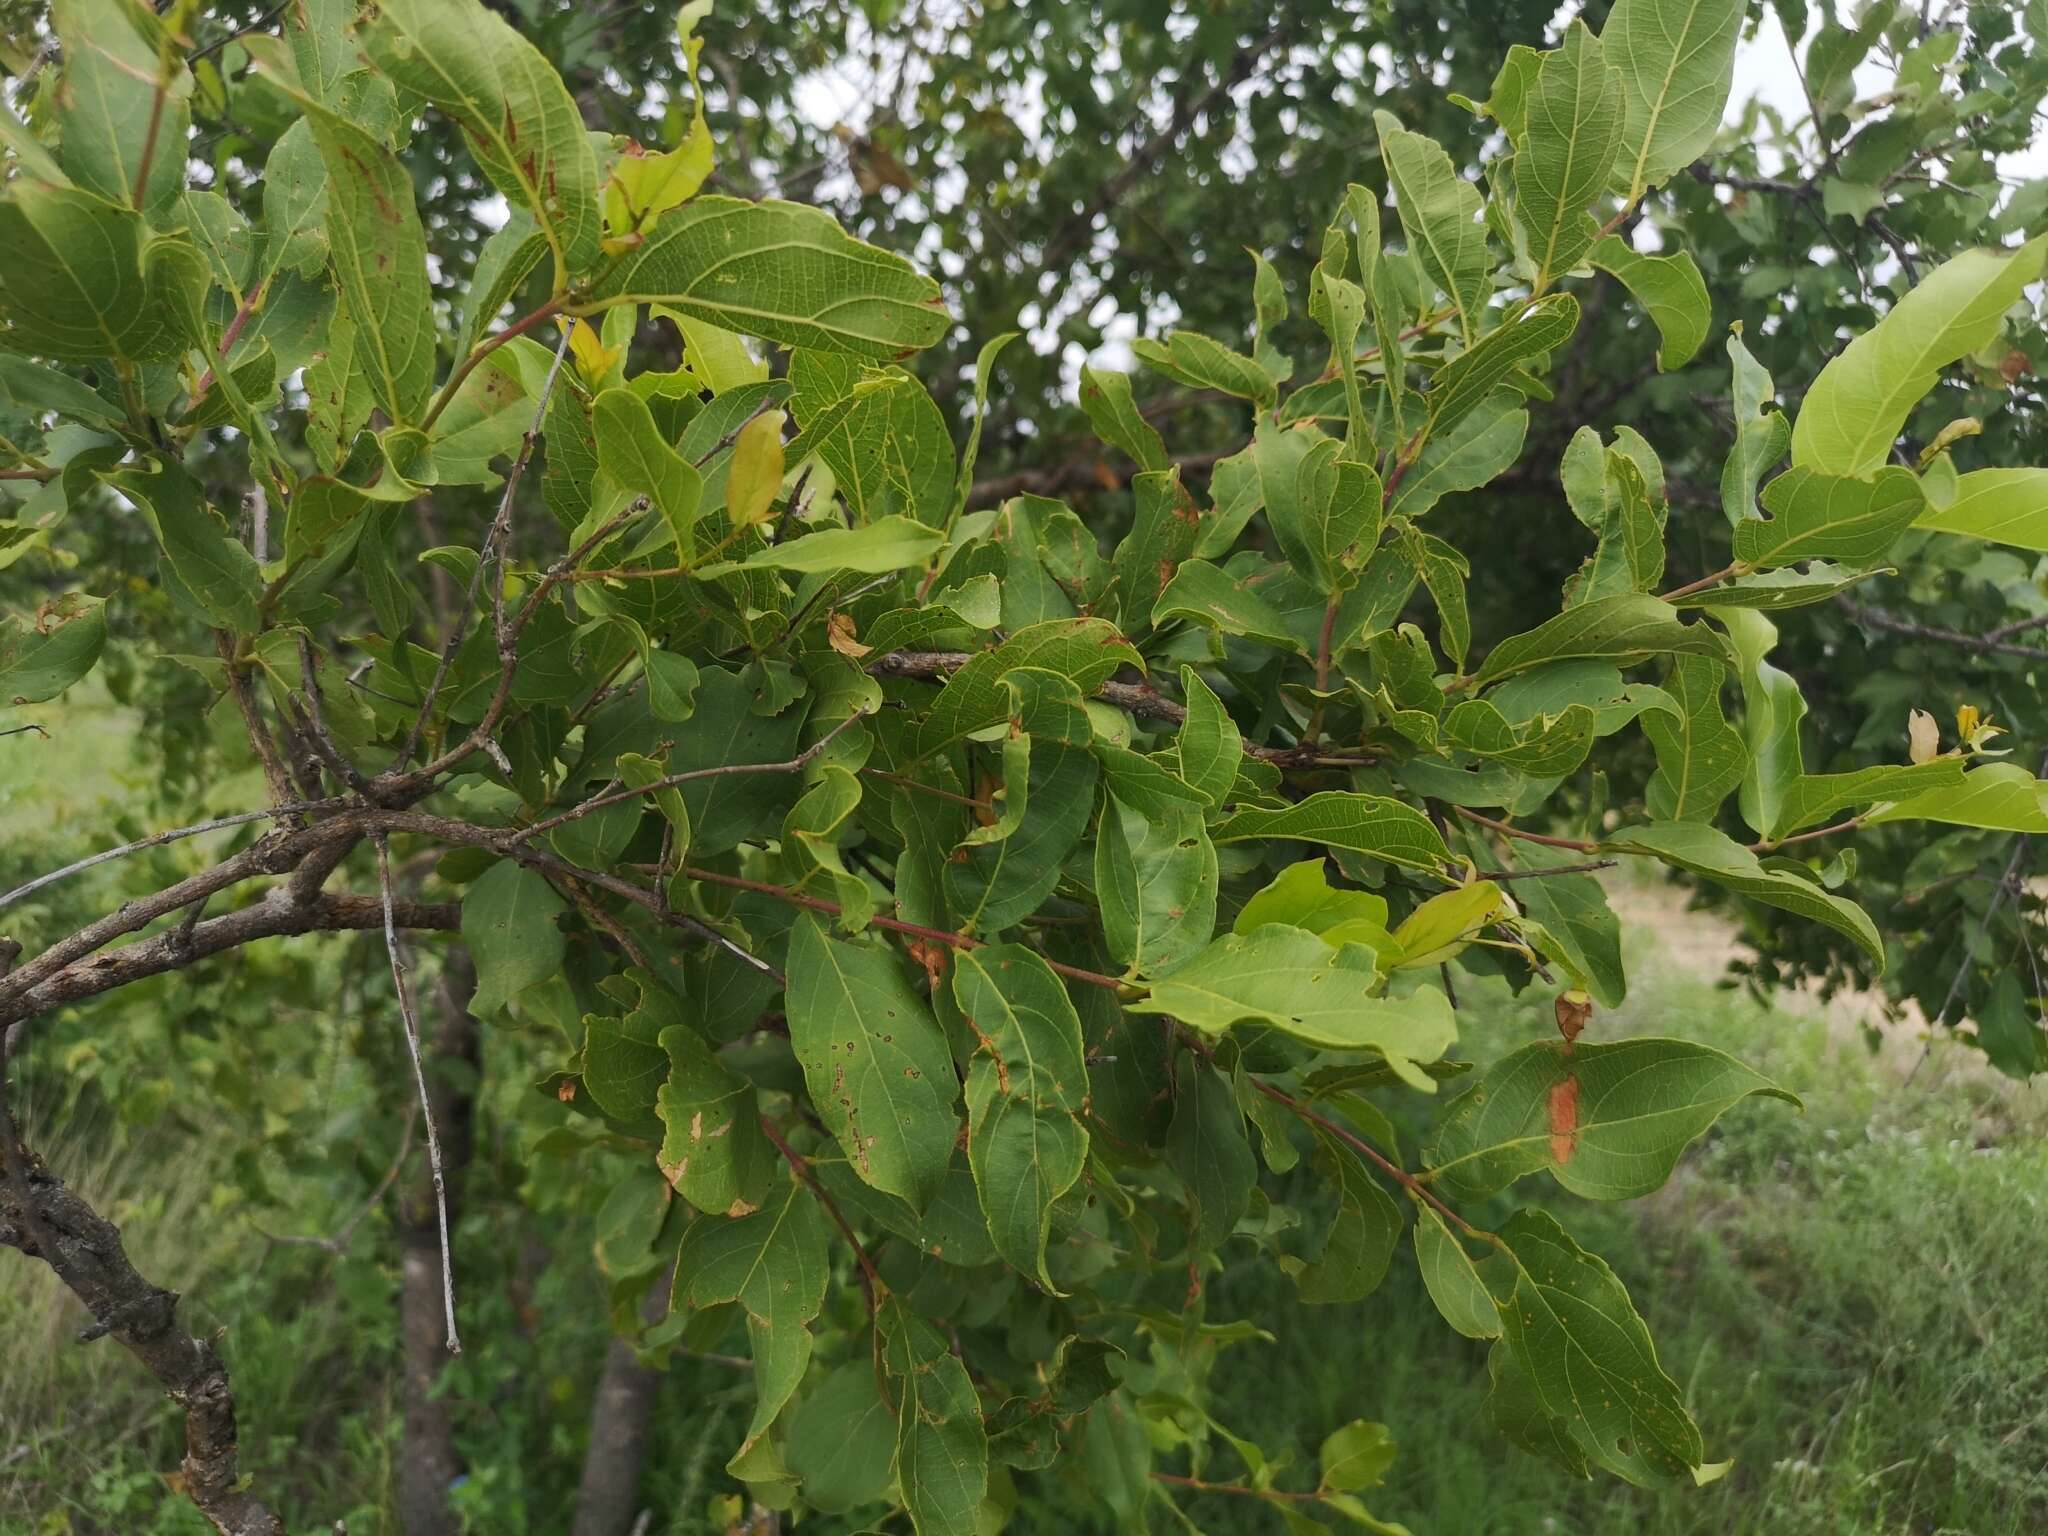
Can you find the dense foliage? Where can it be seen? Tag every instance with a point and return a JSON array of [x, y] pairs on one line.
[[954, 925]]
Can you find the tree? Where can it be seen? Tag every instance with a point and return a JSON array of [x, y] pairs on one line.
[[943, 917]]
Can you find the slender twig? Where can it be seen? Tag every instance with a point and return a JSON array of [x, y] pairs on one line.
[[19, 730], [1196, 1485], [484, 349], [1498, 875], [260, 741], [1577, 845], [1850, 825], [1372, 1154], [260, 24], [892, 924], [419, 1072], [1139, 699], [870, 1280], [1992, 643], [158, 839], [2017, 627], [1714, 578], [795, 764], [500, 532], [339, 1241]]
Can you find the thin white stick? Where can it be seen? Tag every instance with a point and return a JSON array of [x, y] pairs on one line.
[[419, 1072]]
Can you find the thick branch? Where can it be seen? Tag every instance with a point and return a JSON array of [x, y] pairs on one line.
[[85, 1251], [274, 917]]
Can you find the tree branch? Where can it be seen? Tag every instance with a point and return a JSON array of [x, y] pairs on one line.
[[51, 1222], [1992, 644]]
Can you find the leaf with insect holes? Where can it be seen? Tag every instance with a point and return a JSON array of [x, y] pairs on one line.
[[775, 1263], [1570, 1325], [1026, 1090]]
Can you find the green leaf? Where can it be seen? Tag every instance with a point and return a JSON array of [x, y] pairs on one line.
[[893, 544], [40, 659], [1572, 1328], [521, 124], [1155, 883], [1165, 526], [1822, 516], [1573, 115], [887, 448], [1860, 401], [1716, 857], [1701, 758], [2005, 506], [875, 1060], [1608, 1121], [1677, 63], [1206, 1145], [842, 1440], [1086, 651], [209, 564], [998, 883], [1772, 709], [1026, 1090], [1211, 748], [713, 1151], [509, 927], [1301, 896], [1356, 1455], [1203, 594], [118, 137], [379, 254], [1190, 358], [633, 451], [1375, 825], [1817, 796], [32, 389], [1358, 1243], [1624, 629], [2002, 797], [1113, 413], [785, 273], [1483, 443], [1440, 211], [1451, 1278], [1469, 377], [1546, 747], [941, 1445], [774, 1263], [1516, 1409], [1292, 980], [1670, 288], [1771, 591], [1579, 928], [73, 286], [1761, 435]]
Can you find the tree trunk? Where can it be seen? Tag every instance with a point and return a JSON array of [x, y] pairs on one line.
[[618, 1441], [428, 1464]]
